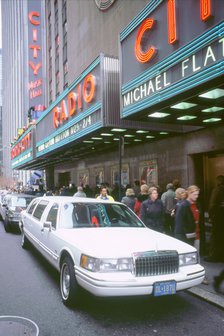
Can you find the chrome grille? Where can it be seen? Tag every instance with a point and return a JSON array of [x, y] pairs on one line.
[[156, 263]]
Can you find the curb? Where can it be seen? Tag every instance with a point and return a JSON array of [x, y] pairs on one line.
[[213, 298]]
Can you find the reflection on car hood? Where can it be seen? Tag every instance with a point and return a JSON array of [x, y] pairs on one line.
[[106, 242]]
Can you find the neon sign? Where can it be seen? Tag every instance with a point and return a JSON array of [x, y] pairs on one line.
[[34, 47], [144, 56], [35, 64], [73, 102], [21, 146], [212, 54]]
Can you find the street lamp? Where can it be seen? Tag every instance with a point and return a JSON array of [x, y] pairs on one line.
[[121, 154]]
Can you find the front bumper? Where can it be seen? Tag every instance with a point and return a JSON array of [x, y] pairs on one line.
[[126, 284]]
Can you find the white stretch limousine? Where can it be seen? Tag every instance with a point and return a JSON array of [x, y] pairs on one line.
[[105, 248]]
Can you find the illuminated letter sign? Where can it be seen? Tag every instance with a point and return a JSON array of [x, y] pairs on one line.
[[31, 19], [72, 96], [35, 67], [82, 94], [35, 83], [205, 8], [171, 18], [142, 56], [63, 114], [56, 113], [21, 146], [89, 88], [35, 48]]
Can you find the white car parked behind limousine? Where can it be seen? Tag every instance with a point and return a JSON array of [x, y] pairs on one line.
[[105, 248]]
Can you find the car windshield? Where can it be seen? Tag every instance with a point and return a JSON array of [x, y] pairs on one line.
[[79, 215], [20, 201]]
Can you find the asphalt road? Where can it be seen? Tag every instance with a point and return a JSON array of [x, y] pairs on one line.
[[29, 287]]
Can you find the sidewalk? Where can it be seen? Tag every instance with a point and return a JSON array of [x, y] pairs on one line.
[[207, 292]]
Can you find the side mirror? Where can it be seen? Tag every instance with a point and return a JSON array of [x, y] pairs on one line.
[[47, 225]]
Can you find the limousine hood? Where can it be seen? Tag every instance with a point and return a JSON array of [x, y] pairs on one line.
[[119, 242]]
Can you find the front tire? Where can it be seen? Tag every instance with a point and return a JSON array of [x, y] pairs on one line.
[[6, 225], [25, 242], [70, 290]]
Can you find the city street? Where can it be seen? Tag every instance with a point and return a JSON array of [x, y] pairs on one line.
[[115, 101], [29, 287]]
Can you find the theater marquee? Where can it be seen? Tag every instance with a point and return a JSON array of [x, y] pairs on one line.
[[169, 43]]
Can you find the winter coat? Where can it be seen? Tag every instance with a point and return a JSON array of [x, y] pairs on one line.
[[129, 201], [80, 194], [152, 214], [184, 219], [168, 199], [138, 203]]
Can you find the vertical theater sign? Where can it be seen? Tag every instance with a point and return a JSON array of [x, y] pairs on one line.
[[22, 149], [35, 58]]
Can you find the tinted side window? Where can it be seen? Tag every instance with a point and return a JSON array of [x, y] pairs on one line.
[[5, 200], [32, 206], [40, 209], [52, 215]]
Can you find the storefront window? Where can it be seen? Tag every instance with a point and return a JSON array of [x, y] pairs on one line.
[[124, 175], [148, 171], [83, 177], [99, 176]]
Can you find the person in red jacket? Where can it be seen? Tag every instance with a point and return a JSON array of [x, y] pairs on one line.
[[144, 194]]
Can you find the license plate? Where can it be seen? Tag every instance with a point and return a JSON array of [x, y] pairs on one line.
[[164, 288]]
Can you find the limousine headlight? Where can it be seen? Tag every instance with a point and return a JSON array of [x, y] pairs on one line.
[[106, 264], [188, 259]]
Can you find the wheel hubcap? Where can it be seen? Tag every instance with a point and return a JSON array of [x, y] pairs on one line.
[[66, 281]]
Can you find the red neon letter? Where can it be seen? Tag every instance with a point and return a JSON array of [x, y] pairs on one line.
[[205, 9], [79, 88], [71, 103], [28, 139], [89, 88], [141, 56], [171, 17], [56, 114], [35, 67], [31, 15], [24, 144], [63, 114], [34, 35], [35, 50]]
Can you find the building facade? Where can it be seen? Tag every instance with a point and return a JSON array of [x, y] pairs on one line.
[[23, 86], [168, 123], [1, 148]]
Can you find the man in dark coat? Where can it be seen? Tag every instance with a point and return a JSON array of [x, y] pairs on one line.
[[152, 211], [216, 215]]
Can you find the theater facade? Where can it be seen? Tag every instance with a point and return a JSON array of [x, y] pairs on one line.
[[153, 111]]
